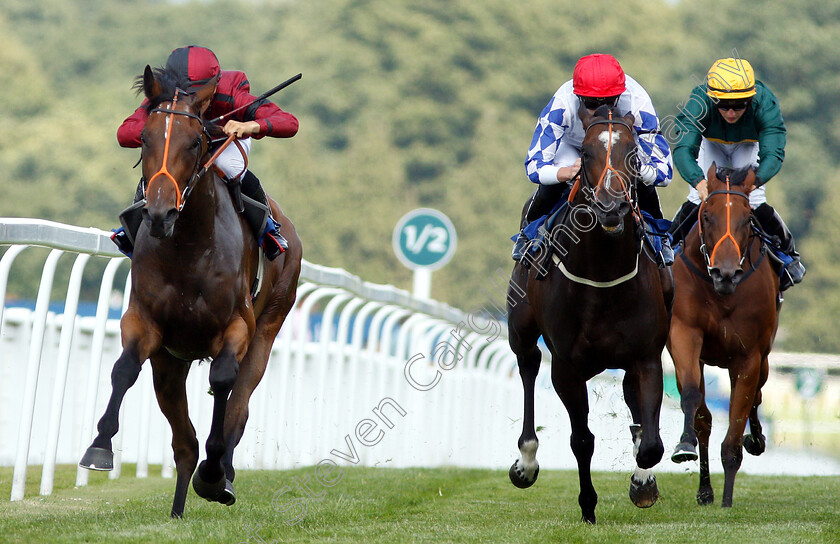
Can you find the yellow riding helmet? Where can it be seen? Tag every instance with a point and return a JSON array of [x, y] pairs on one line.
[[730, 79]]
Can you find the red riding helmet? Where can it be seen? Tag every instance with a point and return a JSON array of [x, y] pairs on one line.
[[598, 76], [194, 64]]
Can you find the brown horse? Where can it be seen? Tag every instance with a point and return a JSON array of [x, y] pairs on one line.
[[726, 315], [604, 305], [194, 262]]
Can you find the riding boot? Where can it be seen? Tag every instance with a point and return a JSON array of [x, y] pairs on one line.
[[773, 225], [131, 218], [542, 202], [649, 202], [683, 221], [259, 217]]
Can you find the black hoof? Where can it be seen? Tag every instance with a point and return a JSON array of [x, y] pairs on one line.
[[644, 494], [753, 445], [684, 451], [228, 496], [518, 478], [589, 519], [705, 497], [97, 459], [211, 491]]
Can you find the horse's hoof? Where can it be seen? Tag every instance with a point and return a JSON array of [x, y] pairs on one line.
[[589, 519], [97, 459], [753, 445], [644, 493], [684, 452], [705, 497], [211, 491], [519, 478], [228, 496]]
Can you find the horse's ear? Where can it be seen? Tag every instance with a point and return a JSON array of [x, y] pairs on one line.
[[204, 96], [711, 175], [749, 181], [151, 87], [629, 118], [585, 116]]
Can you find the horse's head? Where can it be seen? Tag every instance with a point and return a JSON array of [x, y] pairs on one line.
[[174, 141], [608, 155], [725, 225]]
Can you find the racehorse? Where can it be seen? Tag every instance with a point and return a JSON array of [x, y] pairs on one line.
[[725, 314], [603, 305], [193, 266]]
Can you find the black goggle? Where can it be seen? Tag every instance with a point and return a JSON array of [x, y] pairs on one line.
[[736, 106], [593, 103]]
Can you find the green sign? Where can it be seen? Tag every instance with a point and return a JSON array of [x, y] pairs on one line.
[[809, 382], [424, 239]]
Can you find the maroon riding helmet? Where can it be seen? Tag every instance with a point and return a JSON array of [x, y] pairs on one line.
[[193, 64]]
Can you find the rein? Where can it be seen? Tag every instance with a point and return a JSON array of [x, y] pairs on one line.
[[594, 190], [198, 170]]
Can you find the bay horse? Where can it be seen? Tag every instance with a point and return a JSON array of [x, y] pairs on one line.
[[193, 266], [725, 314], [604, 305]]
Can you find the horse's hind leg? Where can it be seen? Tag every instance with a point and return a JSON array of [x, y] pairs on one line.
[[209, 481], [523, 335], [755, 442], [139, 340], [170, 376], [643, 395]]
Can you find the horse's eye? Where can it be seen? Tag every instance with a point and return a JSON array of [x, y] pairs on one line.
[[196, 143]]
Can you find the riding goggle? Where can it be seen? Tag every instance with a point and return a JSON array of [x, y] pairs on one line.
[[593, 103], [736, 106]]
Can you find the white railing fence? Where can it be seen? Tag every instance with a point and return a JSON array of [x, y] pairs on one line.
[[360, 374]]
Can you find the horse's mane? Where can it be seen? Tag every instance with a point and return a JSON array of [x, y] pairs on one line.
[[736, 175], [604, 112], [168, 81]]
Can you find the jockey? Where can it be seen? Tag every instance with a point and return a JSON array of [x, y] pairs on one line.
[[553, 159], [734, 121], [194, 66]]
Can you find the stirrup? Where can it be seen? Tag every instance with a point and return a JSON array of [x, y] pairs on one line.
[[123, 242], [520, 248]]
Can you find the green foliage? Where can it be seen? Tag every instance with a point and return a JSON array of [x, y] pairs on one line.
[[404, 105]]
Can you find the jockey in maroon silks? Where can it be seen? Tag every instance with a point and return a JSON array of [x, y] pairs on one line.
[[193, 66]]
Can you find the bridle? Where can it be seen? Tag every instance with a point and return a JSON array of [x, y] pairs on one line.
[[198, 169], [710, 258], [608, 168]]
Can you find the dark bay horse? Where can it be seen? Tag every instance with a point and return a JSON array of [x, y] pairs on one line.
[[192, 270], [726, 315], [605, 305]]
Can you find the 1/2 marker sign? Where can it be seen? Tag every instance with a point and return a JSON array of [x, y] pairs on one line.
[[424, 239]]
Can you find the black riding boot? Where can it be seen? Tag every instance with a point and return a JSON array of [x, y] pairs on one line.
[[683, 221], [264, 227], [542, 202], [773, 225], [649, 202], [131, 219]]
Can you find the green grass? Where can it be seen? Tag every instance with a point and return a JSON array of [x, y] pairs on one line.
[[421, 505]]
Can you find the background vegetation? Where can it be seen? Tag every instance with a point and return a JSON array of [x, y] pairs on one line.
[[408, 104]]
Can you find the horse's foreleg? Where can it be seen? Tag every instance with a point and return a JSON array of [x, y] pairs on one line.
[[170, 375], [574, 396], [744, 380], [139, 340], [684, 345], [755, 442], [643, 395], [251, 372], [209, 481], [703, 426], [523, 334]]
